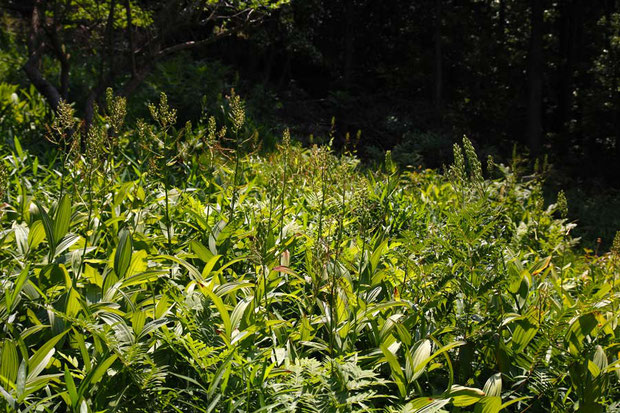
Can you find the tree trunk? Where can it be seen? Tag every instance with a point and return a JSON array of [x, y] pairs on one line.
[[130, 41], [269, 58], [32, 66], [438, 67], [109, 47], [535, 79], [614, 7], [568, 28], [349, 42], [501, 24]]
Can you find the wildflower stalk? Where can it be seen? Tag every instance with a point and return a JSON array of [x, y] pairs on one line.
[[286, 145], [562, 207], [264, 252], [88, 219], [333, 289], [237, 116], [615, 251], [167, 213], [94, 148], [234, 183], [4, 183], [63, 133], [319, 240], [165, 117]]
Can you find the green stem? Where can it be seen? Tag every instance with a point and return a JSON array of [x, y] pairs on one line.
[[167, 212], [234, 196], [282, 199], [90, 215]]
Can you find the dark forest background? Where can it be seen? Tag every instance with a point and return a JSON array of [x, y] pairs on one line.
[[539, 79]]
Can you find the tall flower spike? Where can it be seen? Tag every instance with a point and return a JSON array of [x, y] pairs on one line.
[[237, 111], [457, 170], [537, 196], [65, 116], [490, 164], [562, 205], [63, 125], [389, 163], [94, 146], [615, 246], [4, 180], [211, 132], [475, 168], [117, 110], [162, 113]]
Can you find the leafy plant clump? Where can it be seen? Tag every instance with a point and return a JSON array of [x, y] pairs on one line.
[[181, 269]]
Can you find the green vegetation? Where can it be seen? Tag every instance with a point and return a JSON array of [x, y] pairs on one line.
[[157, 268]]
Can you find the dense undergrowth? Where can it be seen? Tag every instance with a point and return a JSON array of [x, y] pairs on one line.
[[151, 268]]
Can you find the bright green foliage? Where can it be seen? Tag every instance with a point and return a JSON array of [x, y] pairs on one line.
[[22, 112], [93, 11], [177, 270]]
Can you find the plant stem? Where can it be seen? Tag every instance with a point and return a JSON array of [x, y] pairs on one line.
[[234, 196], [90, 214], [168, 223]]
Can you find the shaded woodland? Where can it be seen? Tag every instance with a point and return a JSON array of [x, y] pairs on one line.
[[309, 205]]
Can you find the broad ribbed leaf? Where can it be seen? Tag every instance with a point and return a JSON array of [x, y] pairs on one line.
[[493, 386], [138, 318], [21, 238], [600, 358], [11, 296], [62, 218], [577, 332], [397, 371], [71, 389], [96, 374], [138, 263], [122, 257], [419, 357], [48, 226], [41, 357], [36, 235], [523, 333], [489, 404], [201, 251], [464, 396], [426, 405], [73, 303], [9, 362]]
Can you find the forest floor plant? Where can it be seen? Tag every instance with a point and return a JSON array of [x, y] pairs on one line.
[[294, 280]]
